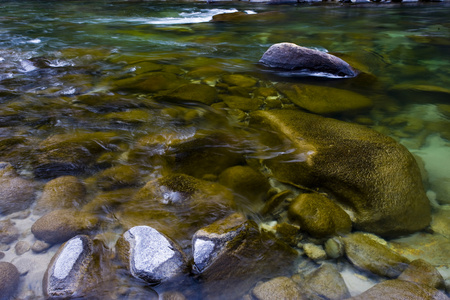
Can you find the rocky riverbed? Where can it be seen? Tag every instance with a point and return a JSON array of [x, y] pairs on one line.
[[129, 176]]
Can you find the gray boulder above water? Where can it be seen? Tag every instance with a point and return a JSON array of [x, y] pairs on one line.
[[291, 57], [150, 255]]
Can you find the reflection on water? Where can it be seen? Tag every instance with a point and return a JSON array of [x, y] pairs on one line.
[[76, 98]]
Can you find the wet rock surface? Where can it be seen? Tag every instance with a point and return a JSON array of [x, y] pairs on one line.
[[325, 283], [9, 280], [369, 255], [232, 255], [370, 174], [61, 193], [399, 289], [150, 255], [422, 272], [16, 193], [8, 232], [323, 99], [60, 225], [319, 216], [74, 270], [177, 205], [290, 56], [278, 288]]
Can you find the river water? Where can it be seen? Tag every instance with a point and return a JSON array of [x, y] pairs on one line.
[[62, 62]]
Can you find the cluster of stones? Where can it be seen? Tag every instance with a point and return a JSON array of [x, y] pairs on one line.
[[183, 225]]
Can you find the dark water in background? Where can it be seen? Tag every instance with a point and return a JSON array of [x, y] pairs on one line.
[[53, 52]]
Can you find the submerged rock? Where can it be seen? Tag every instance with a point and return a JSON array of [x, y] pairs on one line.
[[8, 232], [245, 181], [9, 280], [59, 193], [325, 283], [16, 193], [191, 93], [422, 272], [177, 205], [74, 270], [150, 255], [319, 216], [323, 99], [278, 288], [369, 255], [372, 175], [60, 225], [231, 255], [399, 289], [71, 154], [292, 57]]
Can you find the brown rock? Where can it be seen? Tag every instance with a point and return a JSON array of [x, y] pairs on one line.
[[319, 216], [369, 255], [278, 288], [62, 192], [60, 225], [372, 175], [9, 280], [399, 289], [420, 271]]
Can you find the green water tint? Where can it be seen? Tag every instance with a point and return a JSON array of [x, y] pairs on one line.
[[95, 90]]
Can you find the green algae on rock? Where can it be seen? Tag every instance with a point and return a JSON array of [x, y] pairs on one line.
[[372, 175], [61, 225], [61, 192], [324, 100], [319, 216], [177, 205], [245, 181]]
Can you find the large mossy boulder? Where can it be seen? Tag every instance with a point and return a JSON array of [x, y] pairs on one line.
[[371, 175], [289, 56], [231, 255]]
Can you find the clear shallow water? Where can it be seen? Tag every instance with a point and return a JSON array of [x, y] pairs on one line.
[[54, 53]]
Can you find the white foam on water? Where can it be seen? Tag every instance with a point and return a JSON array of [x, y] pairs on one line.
[[201, 16]]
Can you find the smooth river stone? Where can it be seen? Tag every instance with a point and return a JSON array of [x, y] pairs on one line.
[[65, 275], [151, 256]]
